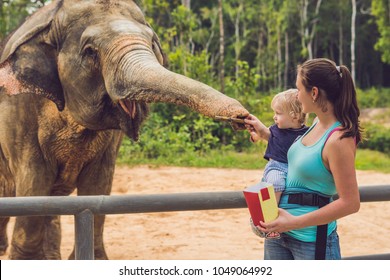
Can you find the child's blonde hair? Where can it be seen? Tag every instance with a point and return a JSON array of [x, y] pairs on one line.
[[289, 103]]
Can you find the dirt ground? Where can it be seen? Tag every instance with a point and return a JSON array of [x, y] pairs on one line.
[[214, 234]]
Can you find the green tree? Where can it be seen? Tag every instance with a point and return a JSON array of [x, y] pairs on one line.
[[381, 11], [13, 12], [263, 42]]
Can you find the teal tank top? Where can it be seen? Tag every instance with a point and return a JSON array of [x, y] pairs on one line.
[[307, 174]]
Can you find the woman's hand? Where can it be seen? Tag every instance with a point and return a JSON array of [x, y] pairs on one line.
[[284, 222]]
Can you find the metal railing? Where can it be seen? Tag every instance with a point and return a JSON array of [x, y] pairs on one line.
[[85, 207]]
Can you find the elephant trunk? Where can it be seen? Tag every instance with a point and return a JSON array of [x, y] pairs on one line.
[[139, 77]]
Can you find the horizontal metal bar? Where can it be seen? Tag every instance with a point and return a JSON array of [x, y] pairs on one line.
[[375, 193], [84, 207], [370, 257], [121, 204]]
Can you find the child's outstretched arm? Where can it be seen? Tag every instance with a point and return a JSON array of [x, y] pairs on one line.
[[256, 129]]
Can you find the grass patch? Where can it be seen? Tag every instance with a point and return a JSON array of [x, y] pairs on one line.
[[372, 160], [214, 158], [365, 160]]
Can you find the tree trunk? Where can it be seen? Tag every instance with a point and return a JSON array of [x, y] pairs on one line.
[[353, 34], [2, 22], [304, 29], [213, 20], [237, 47], [286, 60], [221, 48], [341, 38], [313, 30], [308, 29], [258, 57], [279, 61], [186, 3]]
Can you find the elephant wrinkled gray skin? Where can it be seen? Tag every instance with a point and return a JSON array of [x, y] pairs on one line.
[[74, 78]]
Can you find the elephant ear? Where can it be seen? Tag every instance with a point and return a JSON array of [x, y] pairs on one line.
[[27, 63], [157, 49]]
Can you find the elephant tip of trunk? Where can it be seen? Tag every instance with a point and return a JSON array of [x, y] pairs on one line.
[[237, 123]]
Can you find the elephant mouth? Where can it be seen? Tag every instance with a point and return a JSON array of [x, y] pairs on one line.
[[129, 106], [133, 114]]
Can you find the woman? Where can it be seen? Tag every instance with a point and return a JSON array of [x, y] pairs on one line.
[[320, 164]]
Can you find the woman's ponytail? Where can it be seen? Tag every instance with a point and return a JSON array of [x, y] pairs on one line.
[[346, 107]]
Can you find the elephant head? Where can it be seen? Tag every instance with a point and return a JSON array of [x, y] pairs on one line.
[[102, 61]]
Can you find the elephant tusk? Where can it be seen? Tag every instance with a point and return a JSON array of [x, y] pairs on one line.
[[133, 109]]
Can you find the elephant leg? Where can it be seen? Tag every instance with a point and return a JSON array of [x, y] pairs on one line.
[[100, 251], [52, 225], [27, 239], [52, 238], [28, 234], [96, 179], [36, 238], [7, 189], [3, 235]]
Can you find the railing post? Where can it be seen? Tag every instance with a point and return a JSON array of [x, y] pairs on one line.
[[84, 240]]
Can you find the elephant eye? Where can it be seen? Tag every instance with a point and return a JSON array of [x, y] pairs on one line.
[[91, 54]]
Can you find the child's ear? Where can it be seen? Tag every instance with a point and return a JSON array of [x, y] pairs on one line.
[[294, 115]]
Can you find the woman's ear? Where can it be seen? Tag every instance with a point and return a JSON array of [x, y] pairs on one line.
[[314, 93]]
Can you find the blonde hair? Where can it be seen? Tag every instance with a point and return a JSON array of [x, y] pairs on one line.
[[289, 103]]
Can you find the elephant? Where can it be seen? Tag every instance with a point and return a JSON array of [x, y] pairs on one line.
[[75, 78]]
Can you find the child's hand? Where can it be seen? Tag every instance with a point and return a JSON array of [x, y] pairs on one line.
[[256, 230], [254, 137], [253, 126], [256, 129]]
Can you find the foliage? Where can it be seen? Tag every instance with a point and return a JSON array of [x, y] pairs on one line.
[[13, 12], [269, 35], [174, 135], [378, 138], [373, 98], [381, 11], [264, 41]]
